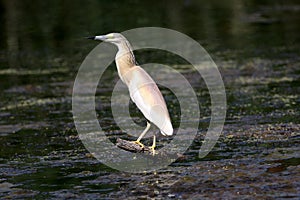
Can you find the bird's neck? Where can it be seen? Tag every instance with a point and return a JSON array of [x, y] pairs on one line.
[[124, 59]]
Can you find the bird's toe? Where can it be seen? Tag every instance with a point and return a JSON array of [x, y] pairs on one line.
[[139, 143]]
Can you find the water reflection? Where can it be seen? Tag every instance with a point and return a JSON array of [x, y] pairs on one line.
[[50, 33]]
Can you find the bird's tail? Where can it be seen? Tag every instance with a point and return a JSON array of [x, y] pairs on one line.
[[167, 130]]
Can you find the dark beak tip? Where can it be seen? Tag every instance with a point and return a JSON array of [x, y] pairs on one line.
[[90, 37]]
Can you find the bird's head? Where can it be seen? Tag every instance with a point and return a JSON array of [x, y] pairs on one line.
[[114, 38]]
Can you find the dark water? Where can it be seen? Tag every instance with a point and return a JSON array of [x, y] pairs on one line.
[[256, 47]]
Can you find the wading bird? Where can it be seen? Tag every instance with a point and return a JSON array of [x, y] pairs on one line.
[[143, 90]]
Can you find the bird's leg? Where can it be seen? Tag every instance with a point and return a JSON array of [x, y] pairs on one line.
[[153, 145], [142, 135]]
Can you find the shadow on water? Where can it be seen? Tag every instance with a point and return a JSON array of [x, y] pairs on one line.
[[256, 47]]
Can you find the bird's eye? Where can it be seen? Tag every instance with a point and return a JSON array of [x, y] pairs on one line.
[[110, 36]]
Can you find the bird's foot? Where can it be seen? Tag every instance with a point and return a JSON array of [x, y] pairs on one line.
[[139, 143], [153, 145], [153, 150]]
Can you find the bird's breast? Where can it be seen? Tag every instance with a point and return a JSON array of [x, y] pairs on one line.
[[148, 98]]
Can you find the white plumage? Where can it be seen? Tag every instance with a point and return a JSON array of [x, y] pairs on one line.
[[143, 90]]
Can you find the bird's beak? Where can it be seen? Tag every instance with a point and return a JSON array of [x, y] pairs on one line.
[[99, 37]]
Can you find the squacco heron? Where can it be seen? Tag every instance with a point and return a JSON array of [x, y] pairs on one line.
[[143, 90]]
